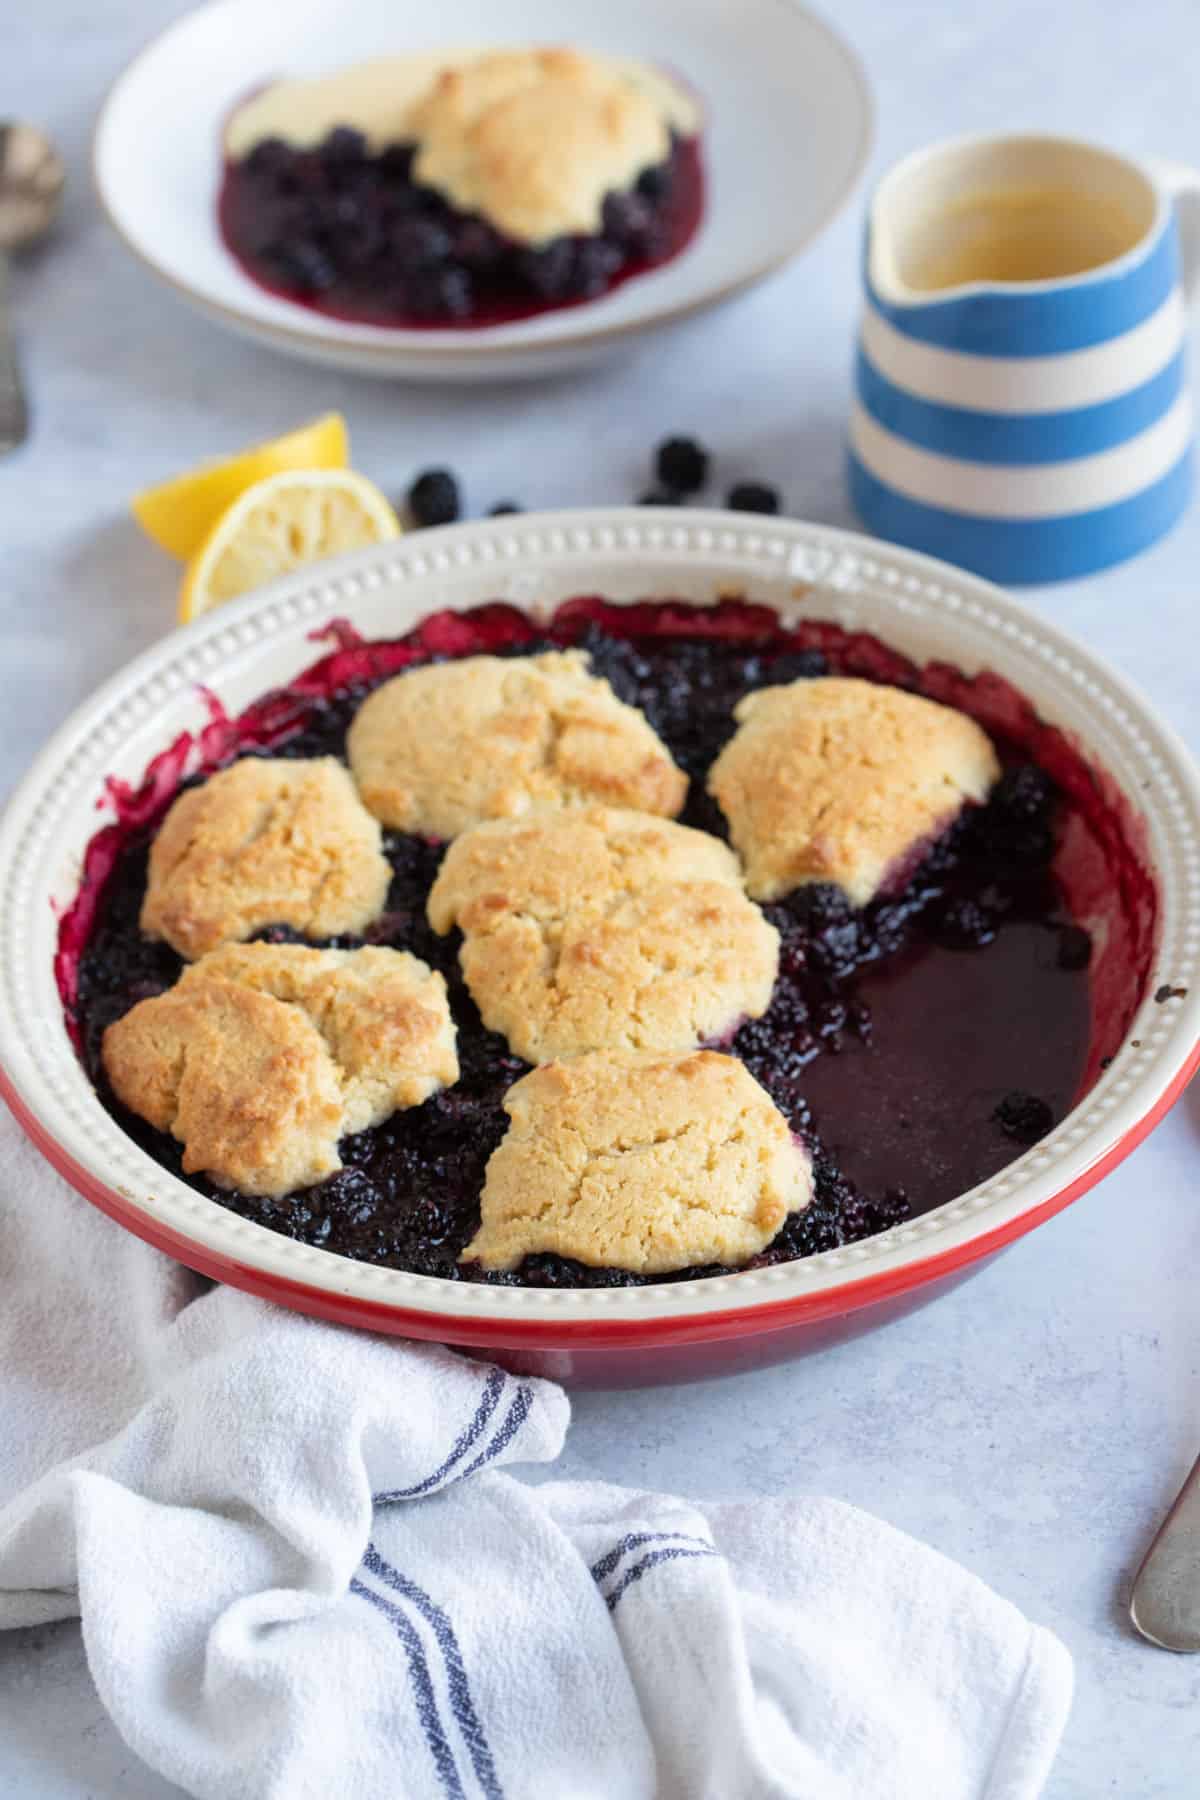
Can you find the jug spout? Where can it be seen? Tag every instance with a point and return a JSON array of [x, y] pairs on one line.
[[1016, 214]]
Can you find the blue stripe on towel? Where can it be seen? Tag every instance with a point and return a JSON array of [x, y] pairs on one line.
[[515, 1417], [487, 1406], [672, 1553], [418, 1669], [461, 1703], [603, 1569], [1017, 438], [1007, 549], [1059, 318]]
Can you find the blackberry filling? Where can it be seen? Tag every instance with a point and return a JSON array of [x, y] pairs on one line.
[[917, 1045], [351, 234]]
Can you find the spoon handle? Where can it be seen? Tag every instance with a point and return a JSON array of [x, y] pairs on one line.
[[1165, 1604], [14, 413]]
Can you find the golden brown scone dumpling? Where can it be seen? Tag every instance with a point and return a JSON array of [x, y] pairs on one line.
[[263, 1055], [267, 841], [439, 749], [604, 929], [646, 1161], [534, 139], [841, 780]]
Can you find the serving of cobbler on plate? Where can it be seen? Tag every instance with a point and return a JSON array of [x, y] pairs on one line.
[[462, 188], [653, 941]]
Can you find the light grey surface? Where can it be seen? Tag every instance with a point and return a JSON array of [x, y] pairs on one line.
[[1035, 1423]]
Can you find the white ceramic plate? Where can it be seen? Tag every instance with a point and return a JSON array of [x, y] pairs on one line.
[[923, 608], [788, 133]]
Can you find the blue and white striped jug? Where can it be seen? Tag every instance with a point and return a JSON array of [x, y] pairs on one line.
[[1021, 399]]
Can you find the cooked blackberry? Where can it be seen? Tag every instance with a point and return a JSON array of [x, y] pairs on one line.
[[631, 222], [1017, 824], [960, 922], [1023, 1117], [443, 293], [344, 146]]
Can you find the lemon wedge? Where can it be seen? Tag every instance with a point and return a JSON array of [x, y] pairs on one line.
[[179, 514], [283, 523]]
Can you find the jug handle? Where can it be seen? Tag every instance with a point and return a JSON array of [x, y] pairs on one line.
[[1183, 186]]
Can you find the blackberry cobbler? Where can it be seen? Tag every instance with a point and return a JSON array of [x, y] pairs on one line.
[[461, 189], [650, 942]]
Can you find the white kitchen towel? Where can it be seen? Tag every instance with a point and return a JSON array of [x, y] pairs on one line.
[[304, 1574]]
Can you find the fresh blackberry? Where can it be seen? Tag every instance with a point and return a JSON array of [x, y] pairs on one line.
[[433, 498], [681, 465], [753, 497]]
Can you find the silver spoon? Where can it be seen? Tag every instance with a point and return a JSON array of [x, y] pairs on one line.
[[1165, 1603], [31, 184]]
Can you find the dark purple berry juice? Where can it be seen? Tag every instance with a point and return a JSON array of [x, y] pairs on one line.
[[351, 235], [917, 1046]]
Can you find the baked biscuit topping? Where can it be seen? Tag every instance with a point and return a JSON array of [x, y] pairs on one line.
[[263, 1055], [534, 139], [842, 781], [643, 1161], [483, 119], [265, 842], [439, 749], [600, 929]]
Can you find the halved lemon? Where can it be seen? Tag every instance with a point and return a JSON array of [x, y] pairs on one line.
[[179, 514], [280, 524]]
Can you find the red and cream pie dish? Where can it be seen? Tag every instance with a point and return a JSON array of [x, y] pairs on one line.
[[526, 1058]]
